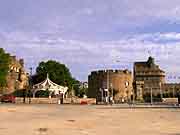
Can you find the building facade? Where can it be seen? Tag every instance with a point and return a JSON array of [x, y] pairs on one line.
[[114, 83], [148, 78], [17, 78], [171, 89]]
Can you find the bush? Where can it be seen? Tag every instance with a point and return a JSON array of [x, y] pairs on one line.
[[42, 93]]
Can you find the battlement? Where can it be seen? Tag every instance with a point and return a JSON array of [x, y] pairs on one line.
[[111, 71]]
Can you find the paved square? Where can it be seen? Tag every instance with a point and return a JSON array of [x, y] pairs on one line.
[[86, 120]]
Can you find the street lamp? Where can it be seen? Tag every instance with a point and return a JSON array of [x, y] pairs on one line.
[[108, 81], [151, 96], [30, 85]]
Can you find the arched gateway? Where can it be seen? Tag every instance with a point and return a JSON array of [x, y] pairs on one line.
[[50, 86]]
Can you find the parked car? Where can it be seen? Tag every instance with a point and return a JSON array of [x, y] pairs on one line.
[[8, 98]]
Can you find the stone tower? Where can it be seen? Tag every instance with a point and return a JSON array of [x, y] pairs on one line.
[[147, 77], [118, 83], [17, 78]]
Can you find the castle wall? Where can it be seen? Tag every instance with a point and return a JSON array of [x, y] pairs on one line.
[[17, 78], [118, 82]]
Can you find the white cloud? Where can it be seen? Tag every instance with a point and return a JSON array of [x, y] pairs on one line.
[[92, 33], [83, 56], [153, 8], [170, 36]]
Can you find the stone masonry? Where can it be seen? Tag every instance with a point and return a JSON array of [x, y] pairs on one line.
[[17, 78], [118, 83]]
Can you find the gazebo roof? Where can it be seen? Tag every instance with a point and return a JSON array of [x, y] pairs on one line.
[[47, 84]]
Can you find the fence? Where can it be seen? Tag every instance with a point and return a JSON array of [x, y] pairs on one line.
[[55, 100]]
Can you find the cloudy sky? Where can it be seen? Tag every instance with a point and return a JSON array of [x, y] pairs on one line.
[[88, 35]]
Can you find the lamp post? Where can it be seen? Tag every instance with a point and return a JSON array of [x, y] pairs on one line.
[[161, 94], [151, 96], [107, 86], [30, 85]]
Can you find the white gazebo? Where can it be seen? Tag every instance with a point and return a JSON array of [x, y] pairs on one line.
[[47, 84]]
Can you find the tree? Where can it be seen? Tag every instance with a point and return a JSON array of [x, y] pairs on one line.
[[58, 73], [4, 67], [82, 91]]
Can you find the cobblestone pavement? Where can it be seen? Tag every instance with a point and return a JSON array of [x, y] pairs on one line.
[[87, 120]]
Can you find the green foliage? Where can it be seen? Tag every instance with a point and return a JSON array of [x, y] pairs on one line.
[[75, 86], [4, 67], [80, 92], [58, 73]]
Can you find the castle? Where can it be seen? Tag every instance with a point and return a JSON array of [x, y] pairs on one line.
[[115, 83], [17, 78], [147, 79]]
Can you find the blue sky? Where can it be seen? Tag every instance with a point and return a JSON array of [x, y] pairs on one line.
[[88, 35]]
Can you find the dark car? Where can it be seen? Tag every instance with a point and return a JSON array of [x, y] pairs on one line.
[[8, 98]]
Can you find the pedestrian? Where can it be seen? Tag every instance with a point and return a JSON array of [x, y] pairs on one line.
[[111, 100], [61, 98], [106, 100]]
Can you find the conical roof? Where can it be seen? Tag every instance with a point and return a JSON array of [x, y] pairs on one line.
[[47, 84]]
